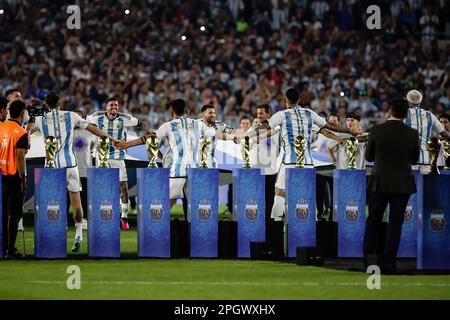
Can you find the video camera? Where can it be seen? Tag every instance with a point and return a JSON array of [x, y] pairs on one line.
[[37, 109]]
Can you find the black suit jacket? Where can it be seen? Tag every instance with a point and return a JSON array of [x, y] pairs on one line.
[[394, 148]]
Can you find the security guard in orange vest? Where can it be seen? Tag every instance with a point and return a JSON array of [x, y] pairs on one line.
[[14, 143]]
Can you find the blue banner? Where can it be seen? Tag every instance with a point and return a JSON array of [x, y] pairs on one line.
[[153, 221], [433, 250], [249, 208], [349, 209], [408, 240], [103, 213], [50, 220], [301, 208], [203, 211]]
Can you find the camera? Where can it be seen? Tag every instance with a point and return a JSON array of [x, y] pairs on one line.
[[37, 109]]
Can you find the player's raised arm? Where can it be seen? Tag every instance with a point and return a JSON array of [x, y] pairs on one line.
[[99, 133]]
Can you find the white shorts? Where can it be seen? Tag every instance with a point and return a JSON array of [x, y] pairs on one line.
[[120, 164], [73, 179], [281, 177], [177, 187]]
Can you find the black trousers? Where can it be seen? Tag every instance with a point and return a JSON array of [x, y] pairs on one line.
[[83, 196], [270, 181], [323, 197], [12, 210], [377, 206]]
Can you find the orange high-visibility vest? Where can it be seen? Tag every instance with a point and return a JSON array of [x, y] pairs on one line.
[[10, 133]]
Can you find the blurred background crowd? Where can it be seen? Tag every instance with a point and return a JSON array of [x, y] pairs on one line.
[[235, 54]]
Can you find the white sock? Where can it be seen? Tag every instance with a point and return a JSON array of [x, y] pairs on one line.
[[124, 207], [79, 230], [278, 208]]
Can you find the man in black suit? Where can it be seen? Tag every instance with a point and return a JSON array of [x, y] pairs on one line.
[[394, 148]]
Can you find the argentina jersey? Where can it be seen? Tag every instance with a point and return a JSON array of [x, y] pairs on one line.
[[182, 137], [427, 125], [116, 128], [61, 125], [295, 122], [221, 127]]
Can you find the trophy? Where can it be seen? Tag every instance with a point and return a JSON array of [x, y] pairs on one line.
[[51, 144], [245, 149], [299, 148], [434, 147], [205, 147], [103, 152], [352, 147], [152, 147], [446, 152]]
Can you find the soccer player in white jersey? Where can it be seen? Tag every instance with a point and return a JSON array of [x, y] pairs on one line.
[[61, 125], [294, 121], [445, 120], [426, 124], [116, 125], [181, 137], [209, 118]]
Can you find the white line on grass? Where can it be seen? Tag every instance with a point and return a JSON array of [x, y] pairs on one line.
[[239, 283]]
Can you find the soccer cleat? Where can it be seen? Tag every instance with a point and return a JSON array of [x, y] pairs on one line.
[[124, 224], [76, 247], [20, 225]]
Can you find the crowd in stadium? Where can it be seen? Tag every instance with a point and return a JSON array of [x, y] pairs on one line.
[[248, 52]]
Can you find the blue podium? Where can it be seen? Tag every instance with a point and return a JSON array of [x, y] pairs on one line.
[[408, 240], [153, 221], [301, 208], [433, 250], [103, 213], [50, 220], [249, 208], [203, 211], [349, 210]]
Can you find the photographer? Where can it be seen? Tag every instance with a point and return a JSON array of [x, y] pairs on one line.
[[61, 125]]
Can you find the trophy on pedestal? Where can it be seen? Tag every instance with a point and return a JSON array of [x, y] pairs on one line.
[[103, 152], [245, 149], [352, 148], [205, 150], [300, 147], [434, 147], [51, 144], [152, 147], [446, 153]]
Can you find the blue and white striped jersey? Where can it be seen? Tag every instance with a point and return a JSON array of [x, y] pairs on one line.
[[116, 128], [182, 136], [221, 127], [295, 122], [427, 125], [61, 124]]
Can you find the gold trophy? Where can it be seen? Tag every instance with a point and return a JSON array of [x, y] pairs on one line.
[[245, 149], [103, 152], [433, 147], [51, 145], [205, 147], [352, 148], [299, 148], [446, 152], [152, 147]]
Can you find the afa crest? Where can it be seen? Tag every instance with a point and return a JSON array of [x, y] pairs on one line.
[[302, 210], [204, 210], [408, 214], [106, 211], [437, 221], [53, 212], [156, 210], [251, 210], [351, 212]]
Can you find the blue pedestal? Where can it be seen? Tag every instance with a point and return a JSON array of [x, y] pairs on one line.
[[203, 212], [103, 213], [50, 220], [301, 208], [153, 222], [408, 240], [433, 251], [349, 205], [249, 208]]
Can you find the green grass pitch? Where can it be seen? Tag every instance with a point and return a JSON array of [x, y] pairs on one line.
[[199, 279]]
